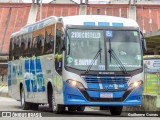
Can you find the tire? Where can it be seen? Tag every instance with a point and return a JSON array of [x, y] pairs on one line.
[[104, 108], [57, 108], [81, 108], [24, 105], [115, 110], [50, 100], [34, 106], [72, 108]]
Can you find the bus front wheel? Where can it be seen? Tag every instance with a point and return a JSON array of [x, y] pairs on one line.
[[72, 108], [81, 108], [57, 108], [24, 105], [115, 110]]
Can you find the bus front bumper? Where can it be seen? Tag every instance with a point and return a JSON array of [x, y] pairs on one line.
[[73, 96]]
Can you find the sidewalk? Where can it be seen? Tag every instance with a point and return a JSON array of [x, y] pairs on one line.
[[4, 91]]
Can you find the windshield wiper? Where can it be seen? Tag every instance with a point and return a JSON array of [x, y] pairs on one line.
[[115, 58], [97, 54]]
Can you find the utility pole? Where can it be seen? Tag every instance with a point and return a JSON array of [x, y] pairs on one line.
[[41, 10], [37, 1]]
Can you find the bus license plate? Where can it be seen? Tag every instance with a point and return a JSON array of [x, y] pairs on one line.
[[106, 95]]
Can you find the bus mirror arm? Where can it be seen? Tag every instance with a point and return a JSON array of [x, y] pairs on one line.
[[144, 45], [63, 48]]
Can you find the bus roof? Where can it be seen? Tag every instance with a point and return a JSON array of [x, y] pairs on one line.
[[98, 20], [35, 26], [86, 20]]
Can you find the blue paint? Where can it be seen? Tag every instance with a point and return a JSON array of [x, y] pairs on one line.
[[14, 69], [40, 78], [30, 72], [93, 85], [89, 23], [34, 70], [34, 85], [9, 74], [117, 24], [26, 66], [103, 23], [93, 94], [19, 70], [110, 83], [27, 83], [32, 67], [97, 94], [72, 96]]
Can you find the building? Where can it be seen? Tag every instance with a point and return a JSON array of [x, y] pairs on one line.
[[11, 1]]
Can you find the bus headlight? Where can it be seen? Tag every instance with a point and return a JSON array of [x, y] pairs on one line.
[[75, 83], [135, 84]]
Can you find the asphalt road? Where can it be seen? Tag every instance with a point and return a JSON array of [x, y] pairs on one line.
[[9, 104]]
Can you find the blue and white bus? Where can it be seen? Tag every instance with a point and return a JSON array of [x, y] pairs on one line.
[[77, 61]]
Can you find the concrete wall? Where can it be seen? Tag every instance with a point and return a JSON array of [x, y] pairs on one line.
[[149, 103]]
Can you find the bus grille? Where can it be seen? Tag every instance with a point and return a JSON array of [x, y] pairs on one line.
[[106, 80]]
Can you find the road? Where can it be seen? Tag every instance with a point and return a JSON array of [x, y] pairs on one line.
[[9, 104]]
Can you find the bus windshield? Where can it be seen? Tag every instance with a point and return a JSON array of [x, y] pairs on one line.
[[101, 49]]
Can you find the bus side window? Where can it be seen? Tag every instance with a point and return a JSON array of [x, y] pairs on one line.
[[16, 48], [13, 48], [22, 54], [34, 47], [49, 40], [28, 52], [25, 45], [39, 45], [10, 49], [58, 49]]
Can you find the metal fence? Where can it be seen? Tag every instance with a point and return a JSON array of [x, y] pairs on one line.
[[152, 82]]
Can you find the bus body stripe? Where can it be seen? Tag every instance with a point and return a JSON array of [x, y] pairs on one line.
[[103, 23], [89, 23], [117, 24]]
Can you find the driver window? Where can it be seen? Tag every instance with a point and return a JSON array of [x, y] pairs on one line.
[[58, 48]]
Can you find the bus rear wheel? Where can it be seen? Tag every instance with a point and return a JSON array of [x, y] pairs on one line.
[[104, 108], [72, 108], [24, 105], [115, 110], [81, 108]]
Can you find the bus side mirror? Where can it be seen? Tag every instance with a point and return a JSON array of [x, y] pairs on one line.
[[144, 45]]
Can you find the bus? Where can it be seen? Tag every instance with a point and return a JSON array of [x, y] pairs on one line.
[[77, 61]]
